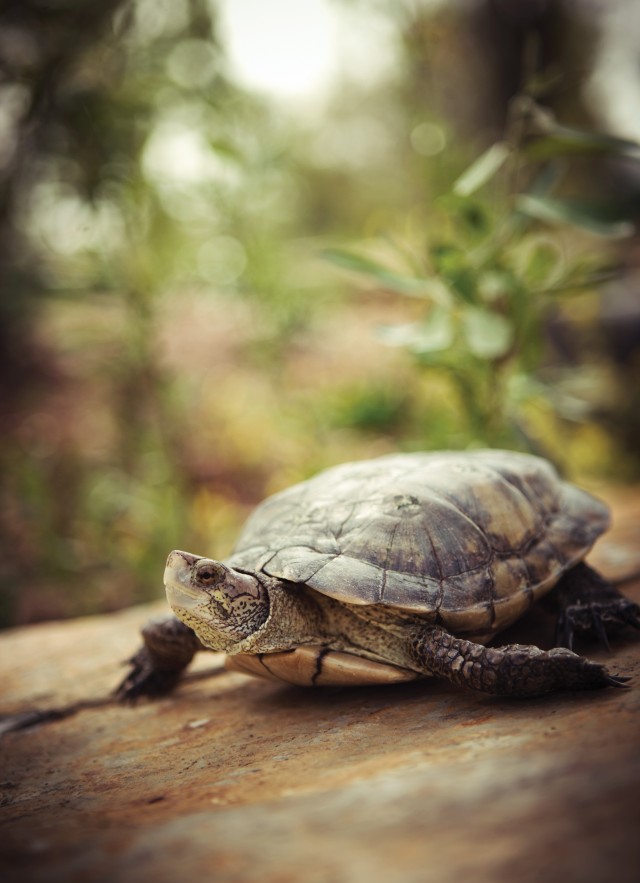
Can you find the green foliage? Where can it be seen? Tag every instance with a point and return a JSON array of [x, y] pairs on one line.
[[149, 176], [511, 254]]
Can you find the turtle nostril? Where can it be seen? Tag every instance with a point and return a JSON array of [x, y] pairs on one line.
[[187, 557]]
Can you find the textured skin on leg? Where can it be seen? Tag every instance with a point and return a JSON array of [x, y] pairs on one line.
[[587, 604], [512, 670], [169, 646]]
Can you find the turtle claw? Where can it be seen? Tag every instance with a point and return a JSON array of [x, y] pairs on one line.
[[600, 631], [618, 681], [564, 632], [631, 615]]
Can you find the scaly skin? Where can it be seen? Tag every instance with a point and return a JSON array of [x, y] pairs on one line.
[[512, 670]]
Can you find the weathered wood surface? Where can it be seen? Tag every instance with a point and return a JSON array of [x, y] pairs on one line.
[[232, 779]]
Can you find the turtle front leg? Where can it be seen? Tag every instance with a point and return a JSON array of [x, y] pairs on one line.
[[587, 604], [512, 670], [168, 648]]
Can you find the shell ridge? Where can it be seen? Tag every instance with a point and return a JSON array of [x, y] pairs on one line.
[[436, 557], [342, 526], [491, 588], [386, 563], [323, 562]]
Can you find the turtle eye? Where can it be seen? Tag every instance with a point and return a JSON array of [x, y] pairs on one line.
[[210, 575]]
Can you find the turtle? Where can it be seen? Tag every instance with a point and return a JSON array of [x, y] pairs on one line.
[[393, 569]]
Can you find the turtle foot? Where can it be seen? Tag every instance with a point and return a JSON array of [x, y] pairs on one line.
[[589, 605], [512, 670], [145, 679], [596, 619], [525, 670], [169, 646]]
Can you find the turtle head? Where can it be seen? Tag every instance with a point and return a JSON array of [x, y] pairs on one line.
[[222, 605]]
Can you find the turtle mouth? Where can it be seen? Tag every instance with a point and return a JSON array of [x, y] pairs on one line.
[[181, 596], [177, 582]]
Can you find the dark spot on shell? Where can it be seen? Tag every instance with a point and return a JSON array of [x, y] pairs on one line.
[[406, 501]]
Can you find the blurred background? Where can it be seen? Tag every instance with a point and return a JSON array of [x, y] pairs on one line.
[[241, 241]]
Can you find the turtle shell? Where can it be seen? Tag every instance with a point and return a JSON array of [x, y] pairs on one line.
[[470, 539]]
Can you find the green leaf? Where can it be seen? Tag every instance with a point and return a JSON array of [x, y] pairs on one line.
[[546, 178], [550, 138], [433, 335], [482, 170], [431, 289], [540, 260], [592, 218], [225, 147], [487, 335], [563, 140], [452, 266], [471, 216], [494, 285]]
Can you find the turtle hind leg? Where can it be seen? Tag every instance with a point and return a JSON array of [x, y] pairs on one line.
[[512, 670], [587, 604], [168, 648]]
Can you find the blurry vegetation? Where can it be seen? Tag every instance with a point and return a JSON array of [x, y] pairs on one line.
[[490, 274], [174, 344]]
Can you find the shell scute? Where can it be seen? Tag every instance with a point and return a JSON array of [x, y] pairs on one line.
[[436, 540], [510, 576], [343, 578], [500, 510], [543, 563], [467, 590], [534, 478]]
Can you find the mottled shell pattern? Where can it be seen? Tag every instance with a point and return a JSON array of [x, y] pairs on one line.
[[471, 538]]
